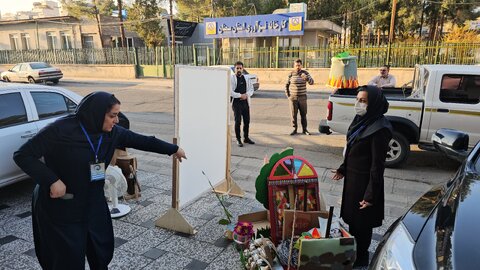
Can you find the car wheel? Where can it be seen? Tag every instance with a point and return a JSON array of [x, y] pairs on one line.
[[5, 78], [31, 80], [54, 81], [398, 152]]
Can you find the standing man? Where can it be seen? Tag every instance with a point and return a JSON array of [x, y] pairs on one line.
[[384, 79], [296, 91], [240, 93]]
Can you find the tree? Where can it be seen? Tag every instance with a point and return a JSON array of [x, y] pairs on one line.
[[144, 16], [197, 10], [194, 10], [86, 8], [89, 9], [462, 35]]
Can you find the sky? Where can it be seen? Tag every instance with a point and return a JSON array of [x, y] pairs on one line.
[[16, 5], [13, 6]]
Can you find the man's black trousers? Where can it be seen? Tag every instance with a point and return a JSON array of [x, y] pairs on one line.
[[241, 110]]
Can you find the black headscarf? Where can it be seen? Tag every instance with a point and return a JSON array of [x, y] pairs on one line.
[[92, 109], [373, 120]]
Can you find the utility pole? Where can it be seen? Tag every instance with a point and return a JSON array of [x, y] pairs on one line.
[[392, 30], [120, 17], [172, 33]]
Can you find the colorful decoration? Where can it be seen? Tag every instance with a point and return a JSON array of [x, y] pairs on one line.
[[291, 177], [242, 233], [343, 71], [312, 234], [261, 183]]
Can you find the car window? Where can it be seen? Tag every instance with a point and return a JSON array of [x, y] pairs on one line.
[[23, 67], [460, 89], [245, 72], [39, 65], [50, 104], [70, 105], [16, 68], [12, 110]]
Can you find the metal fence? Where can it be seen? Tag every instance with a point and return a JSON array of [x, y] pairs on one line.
[[401, 55]]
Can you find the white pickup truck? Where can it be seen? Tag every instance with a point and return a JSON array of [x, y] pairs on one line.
[[443, 96]]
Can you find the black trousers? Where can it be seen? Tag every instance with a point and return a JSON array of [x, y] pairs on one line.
[[241, 110], [363, 237], [61, 246], [298, 104]]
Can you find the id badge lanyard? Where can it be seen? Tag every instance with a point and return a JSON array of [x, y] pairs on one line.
[[97, 169], [95, 151]]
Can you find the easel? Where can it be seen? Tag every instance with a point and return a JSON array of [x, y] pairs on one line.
[[173, 219]]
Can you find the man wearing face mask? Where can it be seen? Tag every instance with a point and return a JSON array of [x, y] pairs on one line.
[[363, 166], [384, 79], [240, 93]]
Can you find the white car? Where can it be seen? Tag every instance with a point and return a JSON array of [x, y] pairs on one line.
[[24, 110], [249, 76], [32, 72]]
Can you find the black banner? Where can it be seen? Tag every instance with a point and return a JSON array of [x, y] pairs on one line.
[[182, 29]]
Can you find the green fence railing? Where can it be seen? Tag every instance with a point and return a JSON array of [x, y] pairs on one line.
[[401, 55]]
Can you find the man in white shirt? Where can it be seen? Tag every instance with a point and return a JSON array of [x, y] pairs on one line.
[[240, 92], [384, 79]]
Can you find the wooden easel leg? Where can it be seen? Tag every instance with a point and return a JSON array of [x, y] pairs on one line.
[[173, 220], [228, 186]]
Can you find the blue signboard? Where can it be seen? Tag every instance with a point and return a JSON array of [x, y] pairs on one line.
[[288, 24]]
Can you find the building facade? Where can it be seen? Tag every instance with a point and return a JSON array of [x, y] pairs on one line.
[[62, 32]]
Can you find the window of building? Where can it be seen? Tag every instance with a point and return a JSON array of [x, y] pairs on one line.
[[50, 104], [295, 42], [116, 42], [12, 110], [88, 42], [460, 89], [25, 41], [51, 40], [247, 47], [284, 42], [130, 42], [234, 43], [14, 42], [66, 40]]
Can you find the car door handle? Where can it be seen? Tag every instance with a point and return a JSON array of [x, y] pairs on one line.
[[28, 136], [443, 110]]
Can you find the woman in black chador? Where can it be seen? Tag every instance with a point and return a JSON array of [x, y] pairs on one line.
[[368, 140], [70, 215]]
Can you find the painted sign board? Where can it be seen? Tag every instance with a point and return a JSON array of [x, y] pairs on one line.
[[288, 24]]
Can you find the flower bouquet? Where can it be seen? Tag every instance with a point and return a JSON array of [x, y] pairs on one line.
[[242, 234]]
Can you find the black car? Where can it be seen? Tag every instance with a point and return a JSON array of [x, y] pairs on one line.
[[440, 230]]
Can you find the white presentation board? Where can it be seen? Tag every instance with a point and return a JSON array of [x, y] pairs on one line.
[[201, 116]]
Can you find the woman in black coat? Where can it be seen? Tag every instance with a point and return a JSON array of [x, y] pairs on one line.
[[368, 140], [70, 215]]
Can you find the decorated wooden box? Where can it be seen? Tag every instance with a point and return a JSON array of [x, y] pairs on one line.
[[327, 253], [291, 177]]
